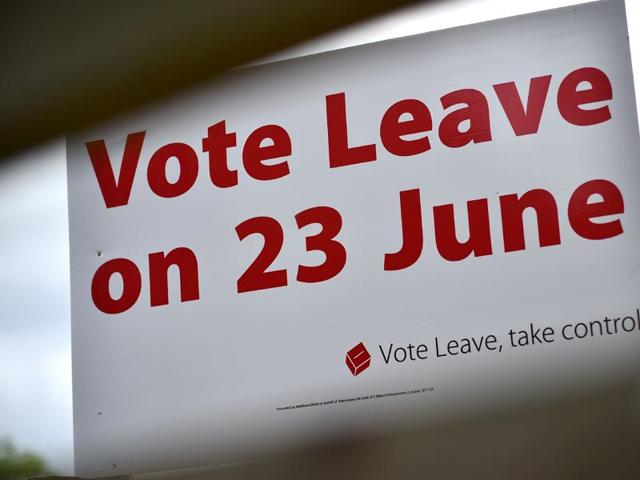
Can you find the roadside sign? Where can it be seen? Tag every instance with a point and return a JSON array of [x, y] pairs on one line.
[[341, 243]]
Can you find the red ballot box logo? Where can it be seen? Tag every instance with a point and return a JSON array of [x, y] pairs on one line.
[[358, 359]]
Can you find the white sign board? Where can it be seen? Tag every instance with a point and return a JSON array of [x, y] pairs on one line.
[[335, 244]]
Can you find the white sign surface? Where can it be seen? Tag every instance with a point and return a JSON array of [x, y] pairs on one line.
[[334, 244]]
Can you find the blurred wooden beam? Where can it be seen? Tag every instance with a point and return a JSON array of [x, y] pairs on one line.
[[67, 64], [589, 435]]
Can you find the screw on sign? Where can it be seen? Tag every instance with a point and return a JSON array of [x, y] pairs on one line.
[[358, 359]]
